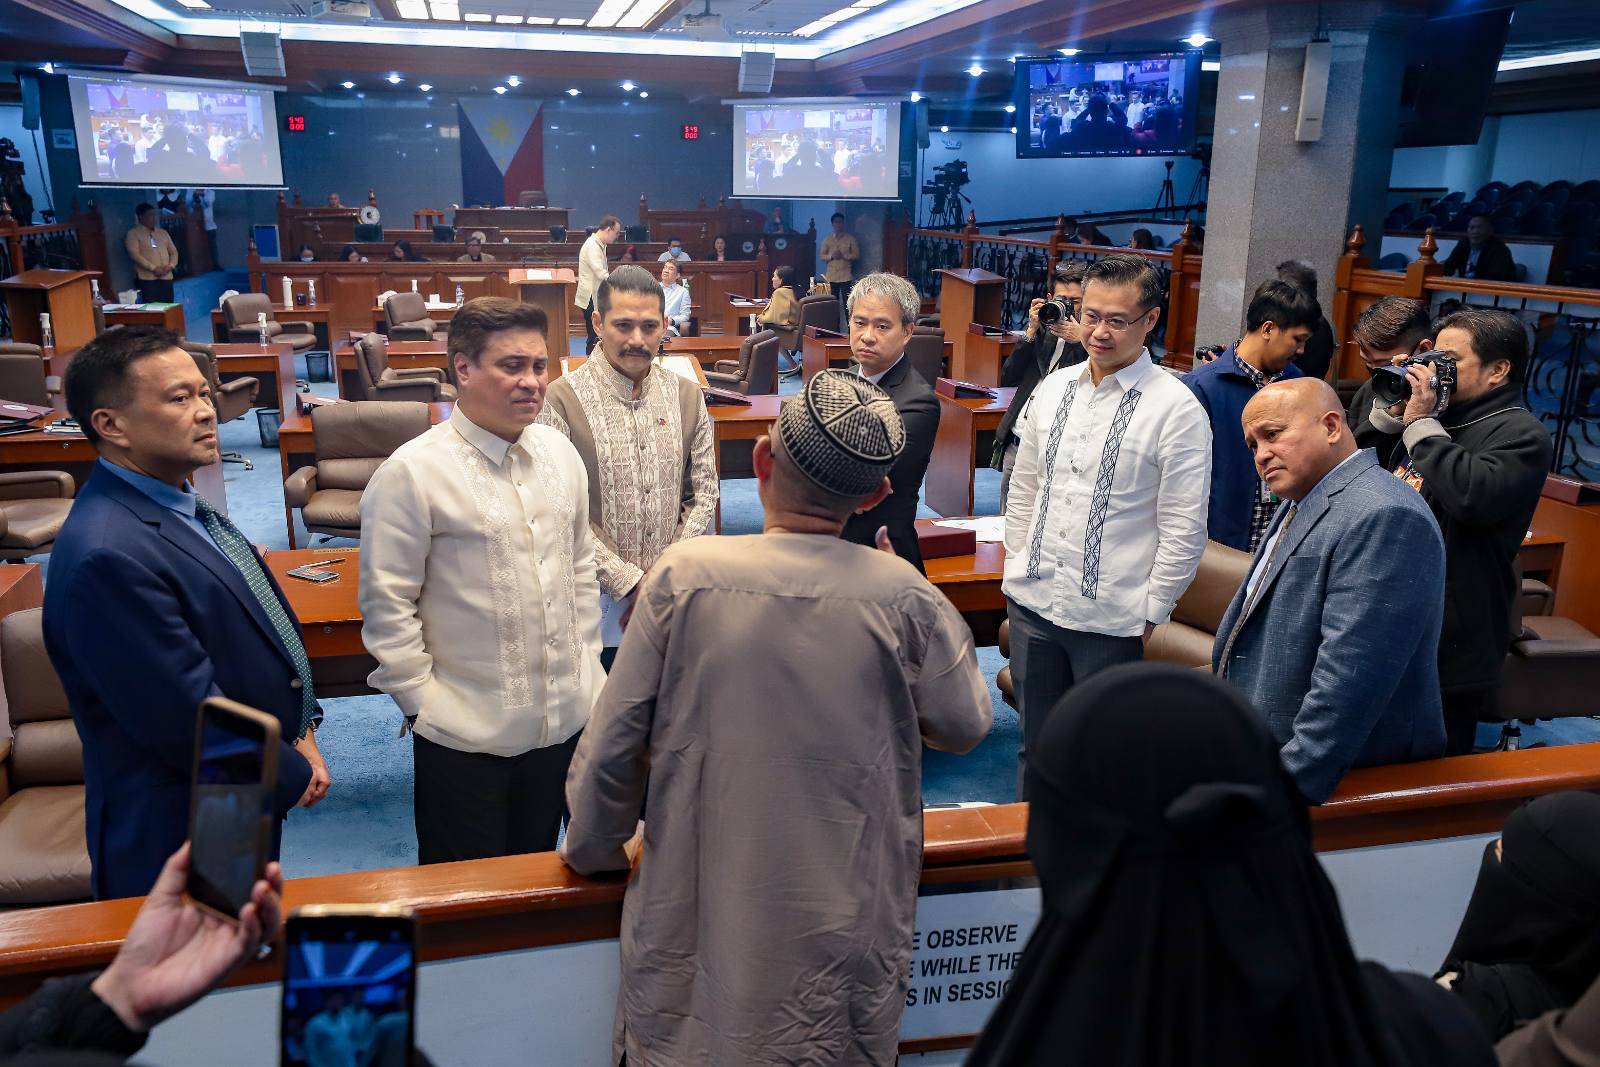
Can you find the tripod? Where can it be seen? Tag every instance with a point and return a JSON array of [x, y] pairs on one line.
[[1167, 200], [947, 213], [1199, 190]]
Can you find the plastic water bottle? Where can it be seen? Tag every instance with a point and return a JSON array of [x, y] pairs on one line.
[[311, 292], [47, 337], [94, 292], [461, 296], [413, 285], [261, 325]]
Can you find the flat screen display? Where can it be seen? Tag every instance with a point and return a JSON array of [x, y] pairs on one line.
[[817, 149], [1107, 106], [147, 132]]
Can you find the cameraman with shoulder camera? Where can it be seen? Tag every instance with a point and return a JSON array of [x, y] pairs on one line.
[[1479, 458], [1050, 345]]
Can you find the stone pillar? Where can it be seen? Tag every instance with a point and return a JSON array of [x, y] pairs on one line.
[[1273, 198]]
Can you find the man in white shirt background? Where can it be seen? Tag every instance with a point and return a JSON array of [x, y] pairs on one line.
[[674, 253], [593, 267], [1106, 518], [479, 596], [677, 299]]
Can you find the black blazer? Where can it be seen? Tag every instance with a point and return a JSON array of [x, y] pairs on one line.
[[918, 406], [143, 619], [1494, 261]]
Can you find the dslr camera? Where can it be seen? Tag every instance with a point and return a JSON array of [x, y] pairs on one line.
[[1055, 309], [1392, 386]]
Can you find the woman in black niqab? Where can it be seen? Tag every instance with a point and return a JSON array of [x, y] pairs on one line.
[[1186, 920]]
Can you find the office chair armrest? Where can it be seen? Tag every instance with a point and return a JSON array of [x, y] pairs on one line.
[[298, 327], [726, 366], [299, 486], [415, 389], [52, 385], [240, 385], [1558, 649], [430, 374], [5, 776], [245, 334], [36, 485]]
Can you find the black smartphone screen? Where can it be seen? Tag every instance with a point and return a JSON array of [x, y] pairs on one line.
[[348, 991], [231, 804]]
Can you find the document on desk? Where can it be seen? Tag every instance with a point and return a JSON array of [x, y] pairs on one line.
[[989, 528]]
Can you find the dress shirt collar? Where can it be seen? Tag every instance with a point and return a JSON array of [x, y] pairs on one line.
[[877, 379], [172, 497], [1126, 378], [491, 445]]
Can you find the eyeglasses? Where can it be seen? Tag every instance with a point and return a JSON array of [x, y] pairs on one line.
[[1091, 320]]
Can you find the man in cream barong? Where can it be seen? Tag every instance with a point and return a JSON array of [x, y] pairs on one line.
[[645, 439], [774, 692]]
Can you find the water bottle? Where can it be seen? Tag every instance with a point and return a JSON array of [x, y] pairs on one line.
[[413, 285], [311, 292], [47, 337], [261, 325], [461, 296], [94, 292]]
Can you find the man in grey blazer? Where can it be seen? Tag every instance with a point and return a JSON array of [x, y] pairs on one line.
[[1334, 636]]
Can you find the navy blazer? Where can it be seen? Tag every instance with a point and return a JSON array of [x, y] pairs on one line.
[[1340, 653], [143, 619], [918, 406]]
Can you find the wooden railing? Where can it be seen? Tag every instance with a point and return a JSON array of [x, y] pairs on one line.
[[742, 229], [919, 254], [1564, 320]]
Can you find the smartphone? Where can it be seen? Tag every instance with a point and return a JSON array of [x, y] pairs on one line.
[[349, 986], [310, 572], [230, 810]]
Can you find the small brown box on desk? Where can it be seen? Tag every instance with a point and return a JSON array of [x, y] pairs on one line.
[[1570, 490], [959, 390], [937, 542]]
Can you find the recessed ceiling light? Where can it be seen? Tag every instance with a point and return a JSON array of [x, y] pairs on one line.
[[425, 87], [640, 15], [394, 79], [1197, 40], [628, 87], [49, 68], [1069, 51], [1011, 109], [574, 92], [479, 16], [975, 70], [195, 5], [412, 9], [514, 81], [446, 10], [509, 20], [499, 90], [541, 20], [643, 95], [944, 129], [1013, 129], [569, 22], [609, 13], [915, 96], [347, 85]]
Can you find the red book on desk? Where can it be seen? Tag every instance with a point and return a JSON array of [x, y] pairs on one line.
[[1570, 490], [937, 542], [959, 390], [724, 396]]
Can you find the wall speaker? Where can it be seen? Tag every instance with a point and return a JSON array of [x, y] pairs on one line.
[[755, 71], [30, 100], [1313, 91], [263, 53]]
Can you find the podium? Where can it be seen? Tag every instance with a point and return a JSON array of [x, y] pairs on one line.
[[62, 294], [965, 297], [553, 291], [985, 354]]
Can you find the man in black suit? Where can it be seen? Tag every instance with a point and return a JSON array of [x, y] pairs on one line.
[[883, 313], [1482, 255]]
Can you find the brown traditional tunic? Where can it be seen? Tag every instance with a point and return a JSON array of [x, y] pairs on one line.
[[776, 691]]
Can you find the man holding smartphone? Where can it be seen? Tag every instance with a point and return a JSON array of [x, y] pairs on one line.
[[156, 602]]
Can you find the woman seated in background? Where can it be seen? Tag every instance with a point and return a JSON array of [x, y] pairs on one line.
[[351, 254], [1186, 919], [1142, 238], [1530, 940], [719, 249], [401, 253], [783, 310], [307, 254]]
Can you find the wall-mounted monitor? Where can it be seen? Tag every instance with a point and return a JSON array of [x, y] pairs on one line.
[[817, 149], [1111, 105], [153, 132]]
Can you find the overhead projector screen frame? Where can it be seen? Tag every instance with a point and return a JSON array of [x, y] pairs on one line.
[[883, 175], [239, 133]]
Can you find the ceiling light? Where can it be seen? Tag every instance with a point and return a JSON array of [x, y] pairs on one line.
[[446, 10], [347, 85], [412, 9], [609, 13], [975, 70], [1069, 51], [479, 16], [49, 68], [509, 20], [195, 5], [514, 81], [1011, 109], [1551, 59], [642, 13], [643, 95], [1211, 65], [1197, 40], [394, 79], [915, 96], [944, 129], [541, 20], [569, 22], [499, 90], [1013, 129], [425, 87], [628, 87], [574, 92]]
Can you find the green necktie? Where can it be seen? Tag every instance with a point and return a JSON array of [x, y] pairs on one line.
[[237, 549]]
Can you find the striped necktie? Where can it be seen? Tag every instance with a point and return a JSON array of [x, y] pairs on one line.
[[1255, 594], [237, 549]]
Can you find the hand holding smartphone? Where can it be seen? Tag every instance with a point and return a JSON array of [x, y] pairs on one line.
[[230, 811]]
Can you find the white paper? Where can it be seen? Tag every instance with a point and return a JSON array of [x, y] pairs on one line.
[[989, 528]]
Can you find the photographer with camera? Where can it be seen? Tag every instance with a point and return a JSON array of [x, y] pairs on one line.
[[1280, 319], [1052, 342], [1451, 424]]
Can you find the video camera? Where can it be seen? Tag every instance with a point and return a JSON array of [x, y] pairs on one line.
[[1391, 385], [951, 175]]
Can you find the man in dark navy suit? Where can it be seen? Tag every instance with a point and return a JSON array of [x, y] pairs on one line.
[[155, 602]]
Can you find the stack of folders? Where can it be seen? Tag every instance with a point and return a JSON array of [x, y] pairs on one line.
[[17, 417]]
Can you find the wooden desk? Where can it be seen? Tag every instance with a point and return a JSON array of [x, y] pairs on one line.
[[955, 449], [706, 350], [330, 617], [72, 453], [316, 314], [980, 359], [817, 354], [272, 367], [21, 588], [403, 355], [513, 218], [1540, 558], [744, 307], [1579, 526], [297, 447], [62, 294], [168, 316]]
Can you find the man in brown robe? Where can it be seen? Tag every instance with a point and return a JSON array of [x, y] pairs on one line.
[[774, 692]]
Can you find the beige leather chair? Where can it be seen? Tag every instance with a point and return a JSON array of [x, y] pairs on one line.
[[44, 858], [379, 381], [405, 318], [231, 399], [820, 310], [1552, 669], [756, 371], [533, 198], [23, 376], [241, 313], [926, 351], [350, 441], [33, 508]]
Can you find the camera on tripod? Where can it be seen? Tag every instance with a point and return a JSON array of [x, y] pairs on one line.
[[1391, 385], [945, 188]]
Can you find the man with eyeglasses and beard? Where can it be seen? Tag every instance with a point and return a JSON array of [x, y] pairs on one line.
[[1106, 517]]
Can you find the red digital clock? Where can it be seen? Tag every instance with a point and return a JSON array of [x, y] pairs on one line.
[[294, 123], [691, 133]]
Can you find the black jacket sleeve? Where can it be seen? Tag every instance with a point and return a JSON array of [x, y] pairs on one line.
[[65, 1014], [1487, 484], [1015, 367]]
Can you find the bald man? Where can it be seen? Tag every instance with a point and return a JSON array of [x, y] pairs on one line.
[[1334, 636]]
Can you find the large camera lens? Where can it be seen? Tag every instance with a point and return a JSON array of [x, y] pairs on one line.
[[1054, 310], [1391, 385]]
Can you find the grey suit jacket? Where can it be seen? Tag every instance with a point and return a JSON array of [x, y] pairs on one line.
[[1340, 651]]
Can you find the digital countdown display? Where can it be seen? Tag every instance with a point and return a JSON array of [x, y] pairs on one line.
[[294, 123], [691, 133]]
